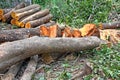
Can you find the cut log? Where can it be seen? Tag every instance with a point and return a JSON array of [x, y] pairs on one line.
[[76, 33], [13, 21], [37, 22], [30, 70], [89, 30], [13, 52], [112, 25], [55, 31], [67, 32], [4, 11], [35, 16], [7, 17], [44, 31], [18, 16], [17, 34], [15, 12]]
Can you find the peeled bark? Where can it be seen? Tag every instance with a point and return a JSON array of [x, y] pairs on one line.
[[18, 16], [13, 52], [7, 17], [17, 34], [35, 16], [112, 25], [37, 22]]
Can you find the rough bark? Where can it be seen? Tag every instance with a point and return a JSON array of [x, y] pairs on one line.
[[30, 70], [34, 16], [37, 22], [17, 34], [18, 16], [7, 17], [112, 25], [13, 52]]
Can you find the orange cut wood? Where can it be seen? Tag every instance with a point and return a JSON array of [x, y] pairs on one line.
[[44, 31], [55, 31], [76, 33], [67, 32], [87, 29]]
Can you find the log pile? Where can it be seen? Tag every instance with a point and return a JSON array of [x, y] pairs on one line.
[[26, 16], [39, 35]]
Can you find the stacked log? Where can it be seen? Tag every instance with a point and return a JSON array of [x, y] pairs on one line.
[[26, 16]]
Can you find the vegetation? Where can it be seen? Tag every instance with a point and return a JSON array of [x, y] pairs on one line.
[[78, 12]]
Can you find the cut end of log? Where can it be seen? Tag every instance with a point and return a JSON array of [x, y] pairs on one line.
[[13, 14], [44, 31], [13, 22], [76, 33], [22, 24], [55, 31], [17, 23], [67, 32], [1, 12], [3, 19], [87, 28], [28, 25]]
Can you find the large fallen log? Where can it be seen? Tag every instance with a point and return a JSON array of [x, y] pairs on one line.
[[13, 52], [7, 17], [37, 22], [17, 34], [111, 25]]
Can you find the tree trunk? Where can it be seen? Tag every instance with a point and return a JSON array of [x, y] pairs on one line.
[[35, 16], [37, 22], [112, 25], [18, 16], [17, 34], [13, 52], [7, 17]]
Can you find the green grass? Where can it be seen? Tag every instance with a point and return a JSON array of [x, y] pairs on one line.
[[107, 62], [76, 13]]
